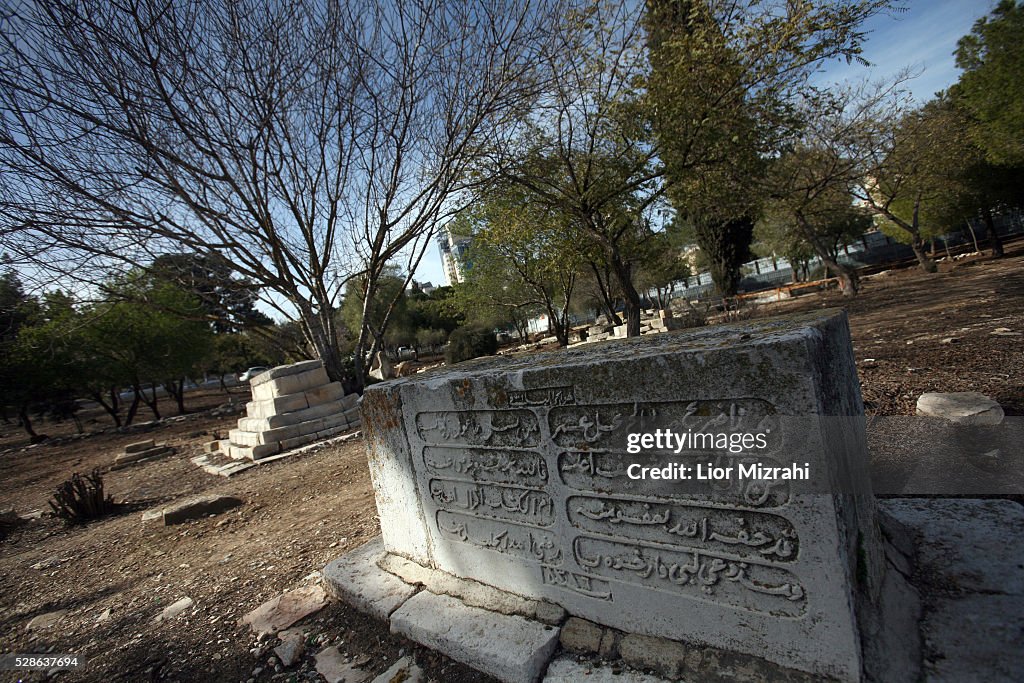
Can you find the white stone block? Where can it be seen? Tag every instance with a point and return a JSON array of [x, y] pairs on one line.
[[285, 370], [356, 579], [290, 384], [328, 393], [512, 472], [510, 648], [281, 404]]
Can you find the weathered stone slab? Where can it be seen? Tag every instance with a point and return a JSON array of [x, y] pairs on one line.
[[513, 472], [328, 393], [290, 384], [402, 671], [510, 648], [284, 610], [473, 593], [565, 669], [140, 446], [356, 579], [285, 370], [253, 452], [962, 544], [193, 508], [961, 407], [275, 406], [972, 585], [158, 452], [315, 411]]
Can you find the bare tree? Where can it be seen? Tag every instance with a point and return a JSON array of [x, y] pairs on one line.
[[308, 142]]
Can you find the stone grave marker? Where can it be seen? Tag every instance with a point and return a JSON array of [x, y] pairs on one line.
[[515, 473]]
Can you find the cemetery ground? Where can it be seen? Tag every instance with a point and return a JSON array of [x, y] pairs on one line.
[[958, 330]]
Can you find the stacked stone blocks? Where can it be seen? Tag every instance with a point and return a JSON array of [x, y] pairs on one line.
[[293, 405]]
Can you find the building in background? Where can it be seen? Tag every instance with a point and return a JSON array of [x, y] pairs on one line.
[[453, 254]]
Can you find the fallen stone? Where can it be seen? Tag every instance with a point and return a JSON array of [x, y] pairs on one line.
[[580, 635], [150, 515], [139, 446], [356, 579], [103, 616], [44, 621], [175, 609], [194, 508], [510, 648], [48, 563], [961, 407], [284, 610], [211, 446], [330, 664], [292, 647], [158, 452], [402, 671], [565, 669]]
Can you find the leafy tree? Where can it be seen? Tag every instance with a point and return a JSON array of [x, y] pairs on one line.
[[776, 235], [228, 302], [37, 361], [583, 149], [991, 88], [148, 332], [725, 83], [524, 255], [663, 266]]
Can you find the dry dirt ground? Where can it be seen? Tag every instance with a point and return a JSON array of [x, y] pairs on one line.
[[302, 511]]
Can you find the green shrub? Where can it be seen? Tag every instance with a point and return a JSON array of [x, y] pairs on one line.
[[470, 342]]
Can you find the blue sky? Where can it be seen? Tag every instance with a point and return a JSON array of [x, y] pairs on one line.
[[924, 37]]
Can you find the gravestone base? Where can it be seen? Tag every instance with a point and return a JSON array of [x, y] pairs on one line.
[[953, 599]]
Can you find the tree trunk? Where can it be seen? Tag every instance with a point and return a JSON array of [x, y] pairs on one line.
[[994, 242], [110, 410], [134, 407], [917, 244], [140, 393], [848, 281], [26, 423], [974, 237], [177, 390], [624, 275], [606, 298]]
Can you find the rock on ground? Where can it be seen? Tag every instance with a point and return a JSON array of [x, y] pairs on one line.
[[332, 666], [961, 407], [286, 609]]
